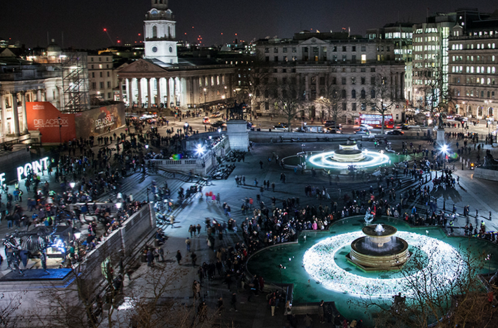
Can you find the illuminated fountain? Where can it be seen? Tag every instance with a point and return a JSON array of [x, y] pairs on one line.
[[379, 249], [320, 263], [348, 155]]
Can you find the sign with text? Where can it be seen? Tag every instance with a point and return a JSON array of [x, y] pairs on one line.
[[97, 121], [53, 125]]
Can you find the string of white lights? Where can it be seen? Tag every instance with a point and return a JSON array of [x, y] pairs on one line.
[[325, 160], [320, 264]]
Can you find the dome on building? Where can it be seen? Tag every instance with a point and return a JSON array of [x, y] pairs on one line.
[[54, 47]]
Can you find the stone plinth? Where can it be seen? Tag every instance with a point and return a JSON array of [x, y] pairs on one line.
[[238, 136], [440, 137]]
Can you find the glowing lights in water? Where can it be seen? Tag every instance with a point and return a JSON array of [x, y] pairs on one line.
[[325, 160], [320, 264]]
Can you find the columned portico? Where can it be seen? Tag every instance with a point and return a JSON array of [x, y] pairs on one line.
[[15, 114], [149, 93], [128, 93], [139, 100], [24, 113], [3, 127]]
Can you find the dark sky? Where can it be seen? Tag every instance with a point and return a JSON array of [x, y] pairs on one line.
[[83, 21]]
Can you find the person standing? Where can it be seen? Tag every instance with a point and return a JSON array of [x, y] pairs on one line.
[[178, 257], [196, 289], [202, 311], [220, 305], [308, 321], [321, 312], [150, 258], [160, 251], [273, 303], [233, 302], [193, 256], [188, 242]]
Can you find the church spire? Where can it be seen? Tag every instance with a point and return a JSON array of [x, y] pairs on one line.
[[160, 4]]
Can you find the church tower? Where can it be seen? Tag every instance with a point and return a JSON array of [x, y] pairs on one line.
[[160, 33]]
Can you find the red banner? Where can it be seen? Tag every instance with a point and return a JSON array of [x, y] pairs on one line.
[[44, 117]]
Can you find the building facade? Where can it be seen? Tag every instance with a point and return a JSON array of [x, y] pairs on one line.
[[431, 45], [401, 35], [325, 64], [102, 76], [162, 79], [24, 81], [473, 72]]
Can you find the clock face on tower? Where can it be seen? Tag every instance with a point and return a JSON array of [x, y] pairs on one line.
[[154, 49], [170, 49]]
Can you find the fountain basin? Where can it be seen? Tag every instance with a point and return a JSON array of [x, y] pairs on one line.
[[379, 249], [392, 259]]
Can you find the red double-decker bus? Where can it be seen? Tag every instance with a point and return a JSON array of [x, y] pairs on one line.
[[375, 120]]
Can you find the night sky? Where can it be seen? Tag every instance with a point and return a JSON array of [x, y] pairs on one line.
[[82, 22]]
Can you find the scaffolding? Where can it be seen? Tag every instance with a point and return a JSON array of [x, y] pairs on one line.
[[75, 82]]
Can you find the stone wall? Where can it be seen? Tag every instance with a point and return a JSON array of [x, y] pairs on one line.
[[486, 174]]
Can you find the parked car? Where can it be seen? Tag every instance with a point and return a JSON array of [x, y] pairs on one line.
[[366, 126], [402, 127], [332, 124], [206, 120], [281, 127], [309, 129], [331, 130], [395, 132], [362, 131], [219, 124]]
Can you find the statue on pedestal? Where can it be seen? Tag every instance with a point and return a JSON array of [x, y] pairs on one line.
[[440, 122]]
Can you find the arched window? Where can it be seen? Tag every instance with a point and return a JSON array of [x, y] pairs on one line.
[[343, 94], [353, 94], [363, 95], [372, 93], [154, 31]]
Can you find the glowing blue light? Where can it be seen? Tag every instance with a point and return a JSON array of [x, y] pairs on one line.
[[320, 264], [59, 244]]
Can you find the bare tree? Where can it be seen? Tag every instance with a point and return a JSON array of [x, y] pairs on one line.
[[330, 103], [10, 305], [433, 297], [438, 97], [288, 98], [257, 77], [383, 96]]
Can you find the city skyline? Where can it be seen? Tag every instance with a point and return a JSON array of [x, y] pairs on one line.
[[124, 21]]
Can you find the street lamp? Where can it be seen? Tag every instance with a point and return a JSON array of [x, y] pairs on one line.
[[118, 205], [72, 184], [444, 150], [205, 90]]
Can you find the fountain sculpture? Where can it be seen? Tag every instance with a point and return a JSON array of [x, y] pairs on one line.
[[379, 250]]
